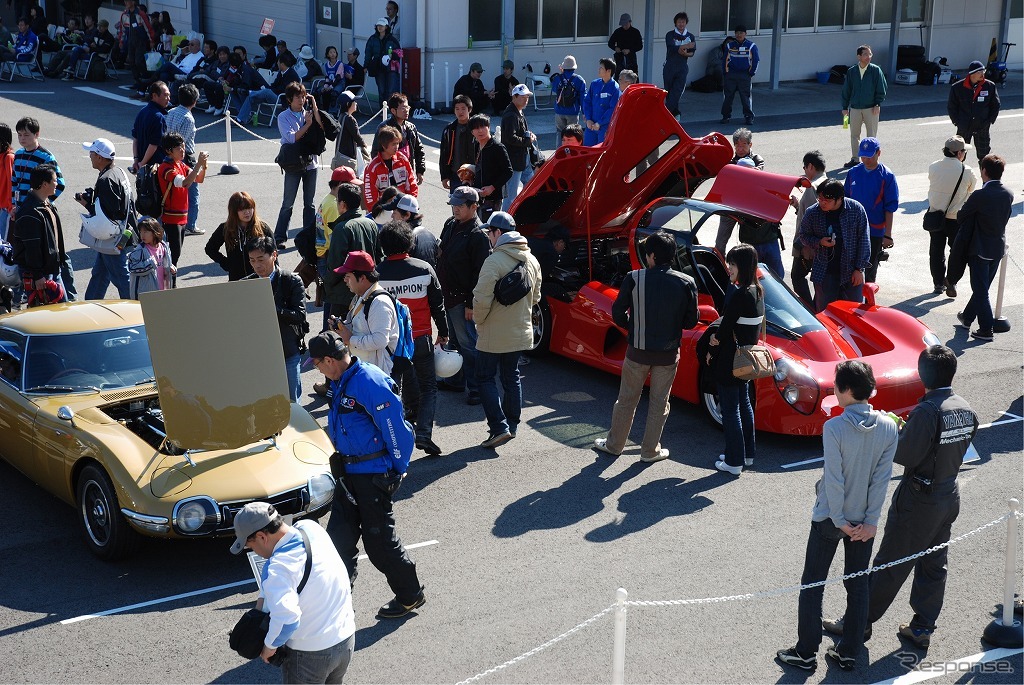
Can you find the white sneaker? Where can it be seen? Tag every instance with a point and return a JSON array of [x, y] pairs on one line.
[[218, 112], [601, 444], [662, 453], [734, 470], [746, 462], [211, 109]]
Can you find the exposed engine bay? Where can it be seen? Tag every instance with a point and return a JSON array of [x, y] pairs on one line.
[[144, 418]]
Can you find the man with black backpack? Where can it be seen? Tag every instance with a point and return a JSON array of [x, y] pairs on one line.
[[569, 90], [503, 302]]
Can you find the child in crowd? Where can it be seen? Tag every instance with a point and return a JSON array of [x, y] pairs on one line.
[[150, 262]]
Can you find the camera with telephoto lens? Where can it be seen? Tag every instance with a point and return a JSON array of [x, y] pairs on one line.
[[86, 196]]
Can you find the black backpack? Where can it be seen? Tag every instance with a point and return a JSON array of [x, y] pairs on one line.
[[513, 286], [149, 201], [566, 94]]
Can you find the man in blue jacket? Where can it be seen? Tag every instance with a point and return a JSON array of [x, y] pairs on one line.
[[24, 49], [374, 444], [739, 64], [569, 90], [599, 104], [874, 186]]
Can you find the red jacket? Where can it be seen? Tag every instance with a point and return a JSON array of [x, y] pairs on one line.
[[377, 177]]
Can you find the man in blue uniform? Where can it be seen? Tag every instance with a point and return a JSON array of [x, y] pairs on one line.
[[739, 64], [874, 186], [599, 103], [680, 45], [373, 444]]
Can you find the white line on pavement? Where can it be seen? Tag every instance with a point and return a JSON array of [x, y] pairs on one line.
[[172, 598], [110, 96], [26, 92], [1014, 419], [945, 122], [960, 667]]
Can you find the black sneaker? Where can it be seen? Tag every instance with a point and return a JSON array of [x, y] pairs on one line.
[[749, 121], [950, 288], [852, 163], [983, 335], [920, 637], [791, 657], [473, 398], [724, 120], [445, 386], [961, 323], [937, 290], [846, 663], [496, 440], [397, 609], [428, 446]]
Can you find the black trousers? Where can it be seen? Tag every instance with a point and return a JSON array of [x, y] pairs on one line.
[[418, 383], [798, 274], [982, 139], [916, 522], [938, 240], [368, 514], [876, 249]]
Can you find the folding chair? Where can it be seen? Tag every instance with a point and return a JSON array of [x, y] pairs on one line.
[[30, 69], [273, 109], [539, 84], [360, 93]]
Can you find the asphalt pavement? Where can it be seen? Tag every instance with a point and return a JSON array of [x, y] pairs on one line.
[[521, 545]]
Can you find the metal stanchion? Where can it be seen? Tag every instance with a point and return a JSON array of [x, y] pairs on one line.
[[447, 88], [431, 86], [228, 169], [619, 648], [1000, 323], [1006, 631]]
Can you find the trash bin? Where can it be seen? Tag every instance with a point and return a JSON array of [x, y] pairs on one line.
[[823, 77]]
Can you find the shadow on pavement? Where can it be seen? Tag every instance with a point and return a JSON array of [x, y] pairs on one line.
[[656, 501]]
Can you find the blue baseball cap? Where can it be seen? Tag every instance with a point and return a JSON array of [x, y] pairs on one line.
[[869, 147]]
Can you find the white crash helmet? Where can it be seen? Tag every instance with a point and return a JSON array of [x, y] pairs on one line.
[[99, 226], [447, 363], [9, 274]]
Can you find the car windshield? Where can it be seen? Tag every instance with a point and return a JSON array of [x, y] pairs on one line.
[[98, 360], [783, 309]]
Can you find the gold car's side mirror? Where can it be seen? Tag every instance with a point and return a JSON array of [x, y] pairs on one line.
[[65, 413]]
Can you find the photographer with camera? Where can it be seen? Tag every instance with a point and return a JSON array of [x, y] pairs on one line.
[[374, 444], [873, 185], [112, 197], [835, 232]]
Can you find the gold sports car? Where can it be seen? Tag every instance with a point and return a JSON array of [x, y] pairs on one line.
[[143, 429]]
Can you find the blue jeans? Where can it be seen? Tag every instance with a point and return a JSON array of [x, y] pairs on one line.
[[324, 666], [829, 290], [513, 186], [292, 179], [294, 373], [256, 98], [738, 422], [465, 332], [5, 219], [821, 550], [771, 255], [979, 306], [193, 206], [109, 268], [502, 413]]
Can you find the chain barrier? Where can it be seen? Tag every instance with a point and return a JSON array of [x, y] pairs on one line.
[[373, 118], [541, 648], [749, 596], [432, 140]]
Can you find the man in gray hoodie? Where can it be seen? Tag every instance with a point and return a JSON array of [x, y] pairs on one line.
[[859, 449]]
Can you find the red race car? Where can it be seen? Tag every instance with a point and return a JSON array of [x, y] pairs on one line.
[[640, 180]]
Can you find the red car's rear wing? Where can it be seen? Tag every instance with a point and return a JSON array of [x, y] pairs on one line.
[[646, 155]]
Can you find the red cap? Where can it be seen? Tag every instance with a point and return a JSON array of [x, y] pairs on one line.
[[345, 175], [357, 260]]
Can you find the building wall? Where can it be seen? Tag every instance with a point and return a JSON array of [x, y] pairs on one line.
[[238, 22]]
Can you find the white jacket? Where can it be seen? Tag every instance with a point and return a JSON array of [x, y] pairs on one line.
[[942, 177], [371, 338]]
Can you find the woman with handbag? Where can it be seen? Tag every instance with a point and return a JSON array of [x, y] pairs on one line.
[[741, 324], [350, 149], [241, 226], [950, 183]]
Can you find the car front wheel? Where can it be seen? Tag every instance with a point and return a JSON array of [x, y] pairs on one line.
[[540, 320], [711, 403], [106, 531]]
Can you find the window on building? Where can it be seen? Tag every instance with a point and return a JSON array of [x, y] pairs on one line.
[[858, 13], [742, 12], [485, 20], [714, 16], [766, 22], [883, 12], [558, 18], [913, 10], [830, 13], [801, 14], [547, 19], [592, 18], [722, 16], [1016, 9], [526, 20]]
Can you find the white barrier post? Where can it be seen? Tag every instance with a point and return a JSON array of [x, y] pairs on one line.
[[447, 88], [1000, 323], [228, 169], [1008, 632], [431, 86], [619, 648]]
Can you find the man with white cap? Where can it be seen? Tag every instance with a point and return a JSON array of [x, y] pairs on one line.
[[305, 588], [973, 107], [112, 194], [518, 140]]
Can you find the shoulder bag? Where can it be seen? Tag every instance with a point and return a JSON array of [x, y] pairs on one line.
[[248, 635], [753, 361], [934, 220]]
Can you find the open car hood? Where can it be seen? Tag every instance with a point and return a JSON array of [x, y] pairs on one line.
[[757, 193], [231, 390], [646, 155]]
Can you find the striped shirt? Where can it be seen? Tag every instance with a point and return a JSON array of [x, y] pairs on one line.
[[180, 120], [24, 162]]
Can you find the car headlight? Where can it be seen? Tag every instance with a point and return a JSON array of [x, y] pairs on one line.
[[930, 339], [196, 516], [321, 491], [796, 385]]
